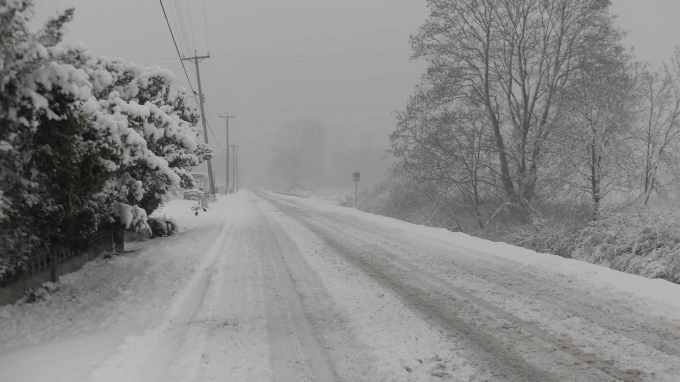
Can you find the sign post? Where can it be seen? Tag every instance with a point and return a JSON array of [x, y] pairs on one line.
[[355, 178]]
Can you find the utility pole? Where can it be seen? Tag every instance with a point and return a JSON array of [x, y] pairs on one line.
[[233, 165], [227, 117], [196, 59]]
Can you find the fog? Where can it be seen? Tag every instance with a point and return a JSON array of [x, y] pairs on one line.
[[338, 68]]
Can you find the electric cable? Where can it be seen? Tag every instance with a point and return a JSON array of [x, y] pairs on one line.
[[177, 49]]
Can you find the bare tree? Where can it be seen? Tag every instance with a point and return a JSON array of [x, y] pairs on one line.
[[660, 132], [599, 131], [515, 59], [448, 155]]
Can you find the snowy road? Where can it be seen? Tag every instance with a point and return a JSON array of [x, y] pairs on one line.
[[267, 287]]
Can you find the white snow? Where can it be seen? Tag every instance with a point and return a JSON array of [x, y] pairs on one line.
[[108, 305], [211, 303], [586, 275]]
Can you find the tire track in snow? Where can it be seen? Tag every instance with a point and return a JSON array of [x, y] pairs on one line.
[[287, 323], [447, 307], [608, 334], [150, 357], [657, 332]]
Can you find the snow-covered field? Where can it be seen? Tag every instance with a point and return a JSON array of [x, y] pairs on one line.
[[269, 287]]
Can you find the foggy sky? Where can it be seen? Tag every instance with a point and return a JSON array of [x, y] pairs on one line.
[[345, 63]]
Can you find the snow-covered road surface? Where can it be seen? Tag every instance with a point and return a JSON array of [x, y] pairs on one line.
[[265, 287]]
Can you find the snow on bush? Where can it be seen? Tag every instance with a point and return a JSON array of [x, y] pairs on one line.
[[84, 141], [400, 200], [162, 226], [645, 243]]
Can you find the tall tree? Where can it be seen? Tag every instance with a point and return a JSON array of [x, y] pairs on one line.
[[448, 155], [515, 59], [53, 157], [598, 136], [660, 130]]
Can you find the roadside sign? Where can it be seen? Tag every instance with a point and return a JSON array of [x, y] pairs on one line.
[[356, 176]]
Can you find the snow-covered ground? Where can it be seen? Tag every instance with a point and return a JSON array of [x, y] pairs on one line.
[[328, 195], [268, 287], [109, 303]]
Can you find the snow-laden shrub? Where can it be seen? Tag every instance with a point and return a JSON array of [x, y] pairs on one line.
[[400, 200], [10, 269], [553, 226], [54, 158], [162, 226], [642, 242], [547, 236], [645, 243], [85, 141]]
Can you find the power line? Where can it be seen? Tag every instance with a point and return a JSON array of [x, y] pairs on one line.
[[340, 86], [223, 100], [205, 18], [205, 103], [174, 18], [347, 107], [191, 25], [213, 134], [321, 80], [327, 107], [205, 24], [176, 48], [310, 61], [178, 10], [219, 83], [230, 61], [384, 55], [288, 111], [185, 71]]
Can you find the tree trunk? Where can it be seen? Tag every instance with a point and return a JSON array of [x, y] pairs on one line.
[[594, 180]]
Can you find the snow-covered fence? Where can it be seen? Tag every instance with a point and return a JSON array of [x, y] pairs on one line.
[[46, 266]]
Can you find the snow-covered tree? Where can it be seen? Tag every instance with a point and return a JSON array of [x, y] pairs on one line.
[[180, 158], [594, 154], [660, 132], [514, 60], [165, 121], [84, 140], [52, 169]]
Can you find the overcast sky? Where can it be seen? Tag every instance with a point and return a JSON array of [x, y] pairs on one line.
[[345, 62]]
